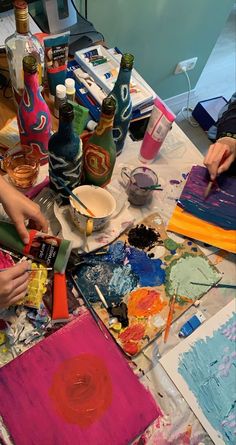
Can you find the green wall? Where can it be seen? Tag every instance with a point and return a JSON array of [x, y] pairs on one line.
[[160, 33]]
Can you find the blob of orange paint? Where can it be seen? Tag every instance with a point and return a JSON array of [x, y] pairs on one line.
[[81, 390], [144, 302]]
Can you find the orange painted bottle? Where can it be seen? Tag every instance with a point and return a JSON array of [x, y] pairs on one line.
[[100, 149]]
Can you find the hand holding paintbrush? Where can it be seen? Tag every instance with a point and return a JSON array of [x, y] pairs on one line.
[[218, 159]]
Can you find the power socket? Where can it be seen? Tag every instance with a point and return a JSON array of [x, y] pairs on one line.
[[186, 65]]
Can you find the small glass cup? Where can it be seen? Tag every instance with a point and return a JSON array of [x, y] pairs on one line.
[[139, 184], [22, 167]]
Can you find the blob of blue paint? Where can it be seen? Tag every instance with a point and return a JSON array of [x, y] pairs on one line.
[[189, 243], [148, 270], [113, 280]]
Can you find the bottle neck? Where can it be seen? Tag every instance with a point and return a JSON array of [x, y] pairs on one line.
[[65, 129], [22, 23], [124, 75], [105, 124], [31, 81]]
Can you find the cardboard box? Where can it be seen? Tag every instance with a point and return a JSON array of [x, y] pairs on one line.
[[206, 112]]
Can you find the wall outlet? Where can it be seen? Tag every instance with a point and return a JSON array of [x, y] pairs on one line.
[[187, 65]]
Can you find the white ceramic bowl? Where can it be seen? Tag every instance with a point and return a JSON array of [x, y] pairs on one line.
[[98, 200]]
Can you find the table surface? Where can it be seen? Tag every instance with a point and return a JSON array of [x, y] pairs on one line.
[[179, 425]]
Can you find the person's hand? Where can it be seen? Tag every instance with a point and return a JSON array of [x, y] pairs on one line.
[[220, 156], [20, 208], [13, 284]]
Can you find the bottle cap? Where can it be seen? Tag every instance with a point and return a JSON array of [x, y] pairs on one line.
[[109, 106], [127, 61], [61, 91], [30, 64], [70, 84], [66, 112]]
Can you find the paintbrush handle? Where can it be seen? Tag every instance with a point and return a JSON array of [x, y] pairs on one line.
[[74, 196], [221, 285], [169, 319]]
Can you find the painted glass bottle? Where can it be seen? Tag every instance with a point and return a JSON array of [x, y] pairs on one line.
[[33, 115], [121, 94], [20, 44], [65, 155], [100, 149]]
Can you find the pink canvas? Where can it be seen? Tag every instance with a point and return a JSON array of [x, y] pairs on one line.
[[74, 387]]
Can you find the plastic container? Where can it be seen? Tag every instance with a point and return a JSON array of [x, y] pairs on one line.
[[70, 89], [159, 125], [60, 99]]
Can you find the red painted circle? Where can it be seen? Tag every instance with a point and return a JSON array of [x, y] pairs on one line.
[[81, 389]]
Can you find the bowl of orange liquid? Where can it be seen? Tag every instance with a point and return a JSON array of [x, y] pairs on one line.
[[22, 167]]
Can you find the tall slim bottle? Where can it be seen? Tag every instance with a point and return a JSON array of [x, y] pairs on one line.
[[33, 115], [100, 149], [20, 44], [65, 154], [121, 94]]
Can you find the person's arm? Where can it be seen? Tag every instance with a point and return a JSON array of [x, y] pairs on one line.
[[20, 208], [222, 154]]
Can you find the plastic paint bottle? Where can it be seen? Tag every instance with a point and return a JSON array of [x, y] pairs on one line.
[[70, 89], [192, 324], [60, 99], [159, 124], [47, 249]]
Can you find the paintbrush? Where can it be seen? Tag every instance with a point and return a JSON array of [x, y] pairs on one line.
[[28, 270], [90, 308], [75, 197], [101, 296], [170, 317], [229, 286], [213, 182]]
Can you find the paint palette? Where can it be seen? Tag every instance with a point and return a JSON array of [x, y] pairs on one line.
[[144, 268]]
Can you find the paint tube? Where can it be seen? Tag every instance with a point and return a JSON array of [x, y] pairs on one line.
[[192, 324], [159, 125], [56, 55], [47, 249], [80, 117]]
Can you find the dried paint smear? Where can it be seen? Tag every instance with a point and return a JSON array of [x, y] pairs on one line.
[[209, 370]]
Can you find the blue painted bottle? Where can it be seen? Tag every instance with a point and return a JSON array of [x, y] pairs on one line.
[[121, 94], [65, 154]]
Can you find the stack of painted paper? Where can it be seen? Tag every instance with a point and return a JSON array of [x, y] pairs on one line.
[[211, 220], [143, 269], [74, 387], [203, 368]]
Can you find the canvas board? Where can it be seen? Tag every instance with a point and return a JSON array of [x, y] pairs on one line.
[[202, 367]]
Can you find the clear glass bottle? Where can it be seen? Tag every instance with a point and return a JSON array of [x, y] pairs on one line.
[[65, 154], [100, 149], [33, 115], [20, 44], [121, 94]]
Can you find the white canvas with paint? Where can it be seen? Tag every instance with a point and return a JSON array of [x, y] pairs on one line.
[[203, 367]]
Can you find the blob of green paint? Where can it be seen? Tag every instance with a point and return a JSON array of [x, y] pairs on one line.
[[170, 244], [187, 268]]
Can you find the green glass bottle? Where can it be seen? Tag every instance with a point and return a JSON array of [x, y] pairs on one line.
[[121, 94], [100, 149]]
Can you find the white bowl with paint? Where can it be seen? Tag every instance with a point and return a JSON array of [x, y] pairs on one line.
[[96, 199]]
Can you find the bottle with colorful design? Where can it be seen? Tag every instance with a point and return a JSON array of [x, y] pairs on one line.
[[33, 115], [100, 149], [20, 44], [121, 94], [65, 155]]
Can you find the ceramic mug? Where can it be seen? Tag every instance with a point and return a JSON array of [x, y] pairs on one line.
[[137, 183], [99, 201]]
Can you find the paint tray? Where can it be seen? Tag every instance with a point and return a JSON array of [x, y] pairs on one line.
[[143, 269], [144, 93]]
